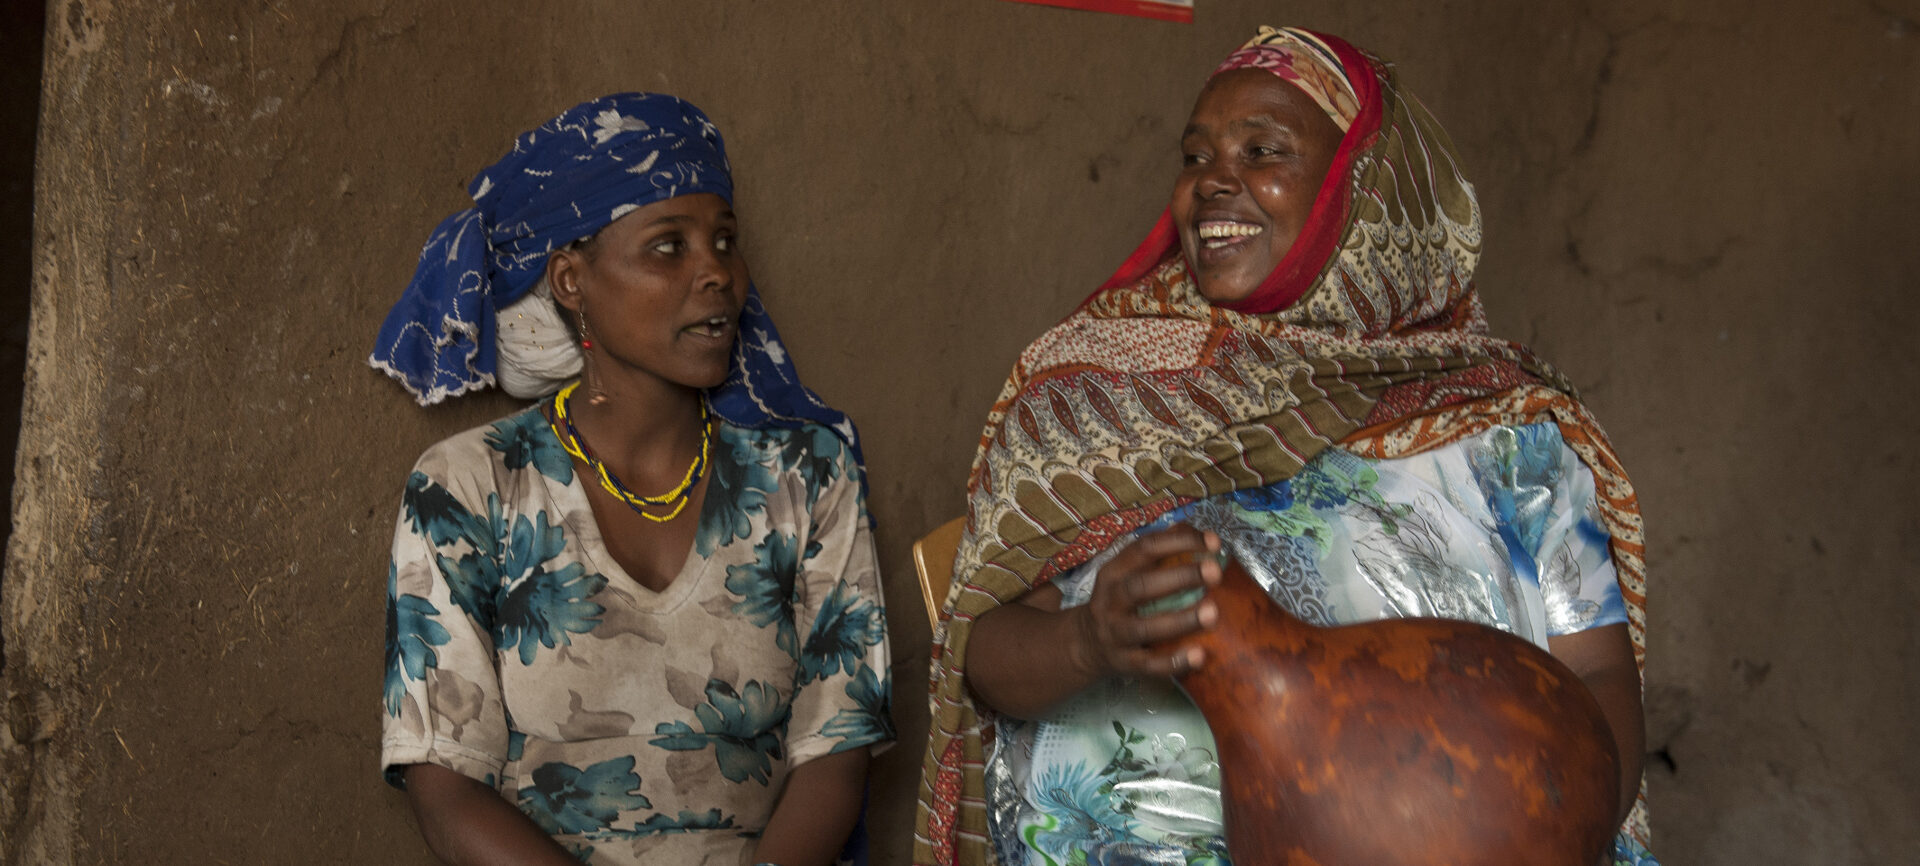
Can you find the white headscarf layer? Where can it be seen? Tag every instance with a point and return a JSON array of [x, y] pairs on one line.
[[538, 354]]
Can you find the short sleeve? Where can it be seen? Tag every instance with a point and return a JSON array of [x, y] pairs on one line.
[[1577, 578], [442, 694], [842, 692]]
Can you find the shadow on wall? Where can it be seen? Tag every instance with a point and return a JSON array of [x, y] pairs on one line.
[[22, 30]]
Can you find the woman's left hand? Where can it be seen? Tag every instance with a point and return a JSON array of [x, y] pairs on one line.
[[1603, 659], [816, 812]]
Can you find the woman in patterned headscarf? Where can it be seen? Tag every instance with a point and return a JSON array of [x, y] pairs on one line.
[[1293, 366], [639, 620]]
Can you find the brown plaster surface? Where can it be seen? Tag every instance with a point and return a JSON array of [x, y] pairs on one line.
[[1700, 210]]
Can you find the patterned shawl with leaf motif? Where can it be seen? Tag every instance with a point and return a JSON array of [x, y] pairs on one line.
[[1369, 336]]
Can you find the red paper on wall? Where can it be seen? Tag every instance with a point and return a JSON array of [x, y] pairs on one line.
[[1164, 10]]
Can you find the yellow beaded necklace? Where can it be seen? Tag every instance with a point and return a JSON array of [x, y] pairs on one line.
[[677, 498]]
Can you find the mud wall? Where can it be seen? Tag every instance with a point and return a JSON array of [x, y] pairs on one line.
[[1701, 210]]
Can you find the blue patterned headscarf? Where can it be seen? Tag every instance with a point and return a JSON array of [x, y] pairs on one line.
[[562, 182]]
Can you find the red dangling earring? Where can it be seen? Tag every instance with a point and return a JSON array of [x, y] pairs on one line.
[[595, 396]]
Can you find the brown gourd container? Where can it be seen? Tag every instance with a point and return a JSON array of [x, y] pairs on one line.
[[1405, 741]]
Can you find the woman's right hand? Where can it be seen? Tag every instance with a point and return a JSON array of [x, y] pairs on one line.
[[468, 823], [1113, 637], [1027, 656]]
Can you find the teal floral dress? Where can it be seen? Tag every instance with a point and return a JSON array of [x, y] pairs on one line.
[[631, 724], [1501, 528]]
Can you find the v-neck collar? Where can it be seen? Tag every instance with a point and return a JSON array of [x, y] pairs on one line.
[[577, 511]]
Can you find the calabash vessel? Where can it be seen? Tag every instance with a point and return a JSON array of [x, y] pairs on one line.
[[1415, 742]]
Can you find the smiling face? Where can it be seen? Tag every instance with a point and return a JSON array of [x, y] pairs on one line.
[[661, 289], [1254, 155]]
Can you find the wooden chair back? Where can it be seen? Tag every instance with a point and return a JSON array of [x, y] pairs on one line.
[[933, 559]]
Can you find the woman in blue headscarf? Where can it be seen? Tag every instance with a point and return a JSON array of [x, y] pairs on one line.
[[639, 620]]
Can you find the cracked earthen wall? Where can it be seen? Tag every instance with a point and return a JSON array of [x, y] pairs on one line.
[[1701, 210]]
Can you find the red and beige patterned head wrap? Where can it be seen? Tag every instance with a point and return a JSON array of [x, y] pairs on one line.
[[1368, 336], [1301, 59]]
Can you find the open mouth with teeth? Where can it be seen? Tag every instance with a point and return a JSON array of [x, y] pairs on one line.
[[1220, 234], [716, 328]]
